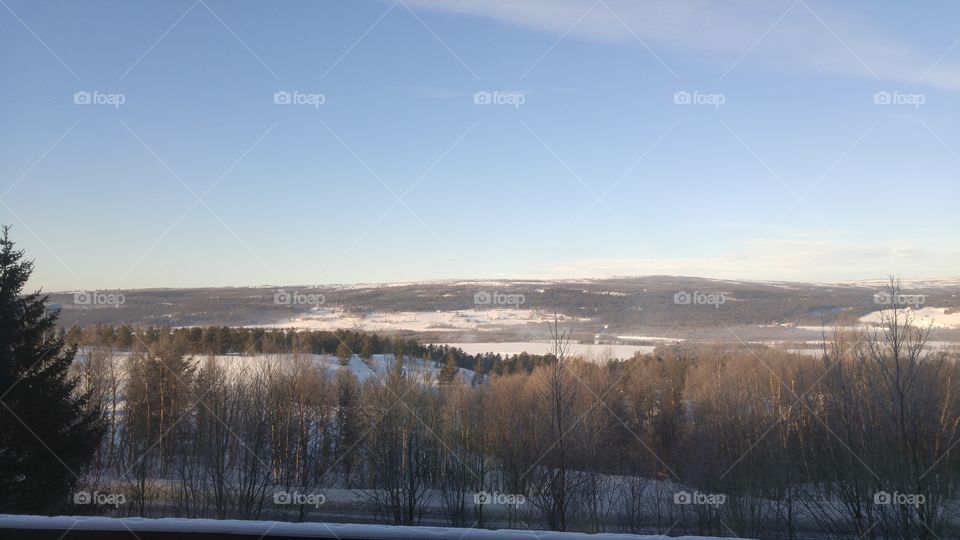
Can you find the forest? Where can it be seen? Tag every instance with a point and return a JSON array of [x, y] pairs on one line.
[[747, 441]]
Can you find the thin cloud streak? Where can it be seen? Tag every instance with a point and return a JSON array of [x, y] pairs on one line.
[[813, 38]]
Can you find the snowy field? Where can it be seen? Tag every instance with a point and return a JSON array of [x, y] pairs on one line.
[[416, 321], [267, 529], [496, 319], [928, 316]]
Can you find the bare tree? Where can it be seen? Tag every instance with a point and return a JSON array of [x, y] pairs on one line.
[[557, 393]]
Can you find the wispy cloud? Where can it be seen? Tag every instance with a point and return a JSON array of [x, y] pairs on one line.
[[783, 34]]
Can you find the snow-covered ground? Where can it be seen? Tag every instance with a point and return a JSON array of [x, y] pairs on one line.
[[306, 530], [928, 316], [417, 321], [377, 367]]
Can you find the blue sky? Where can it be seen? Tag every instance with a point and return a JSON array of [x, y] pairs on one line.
[[820, 141]]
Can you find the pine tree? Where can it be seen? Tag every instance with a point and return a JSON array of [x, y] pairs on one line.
[[343, 354], [478, 372], [449, 371], [399, 352], [47, 432], [366, 350]]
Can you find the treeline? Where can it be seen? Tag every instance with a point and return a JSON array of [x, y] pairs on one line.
[[223, 340], [751, 441]]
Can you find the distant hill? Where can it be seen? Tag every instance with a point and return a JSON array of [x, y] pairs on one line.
[[593, 307]]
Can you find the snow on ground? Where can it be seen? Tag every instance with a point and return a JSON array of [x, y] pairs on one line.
[[821, 329], [935, 317], [814, 349], [932, 316], [649, 338], [417, 321], [306, 530], [906, 283], [377, 367], [586, 350]]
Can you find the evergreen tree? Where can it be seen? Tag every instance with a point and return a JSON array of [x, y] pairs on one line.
[[399, 351], [366, 350], [449, 371], [47, 433], [343, 354], [478, 372]]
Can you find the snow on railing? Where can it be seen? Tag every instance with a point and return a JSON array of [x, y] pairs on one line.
[[268, 529]]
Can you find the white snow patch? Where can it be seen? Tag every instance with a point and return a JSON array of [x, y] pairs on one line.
[[418, 321], [928, 316], [306, 530], [377, 367], [649, 338]]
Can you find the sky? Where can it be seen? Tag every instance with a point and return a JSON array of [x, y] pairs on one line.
[[226, 143]]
